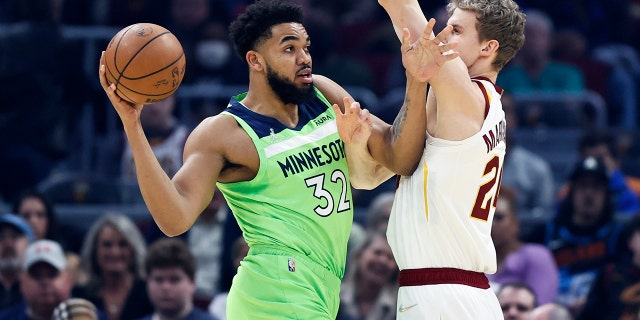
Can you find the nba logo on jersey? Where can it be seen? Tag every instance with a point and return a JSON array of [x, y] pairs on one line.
[[292, 265]]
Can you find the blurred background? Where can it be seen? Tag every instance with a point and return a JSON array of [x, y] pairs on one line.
[[59, 134]]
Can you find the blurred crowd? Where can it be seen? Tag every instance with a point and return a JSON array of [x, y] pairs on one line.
[[566, 228]]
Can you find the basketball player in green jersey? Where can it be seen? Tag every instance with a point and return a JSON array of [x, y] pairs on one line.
[[276, 156]]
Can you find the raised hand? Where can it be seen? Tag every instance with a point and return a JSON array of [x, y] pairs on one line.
[[126, 110], [354, 125], [423, 58]]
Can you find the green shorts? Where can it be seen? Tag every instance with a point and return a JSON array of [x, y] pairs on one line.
[[275, 284]]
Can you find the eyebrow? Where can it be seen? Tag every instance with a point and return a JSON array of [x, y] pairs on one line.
[[292, 38]]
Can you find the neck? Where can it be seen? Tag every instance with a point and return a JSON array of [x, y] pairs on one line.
[[8, 278], [35, 315], [491, 75], [367, 291], [168, 315], [120, 281]]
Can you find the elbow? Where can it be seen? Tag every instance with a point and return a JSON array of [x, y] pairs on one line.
[[404, 167], [172, 232], [173, 228], [406, 170]]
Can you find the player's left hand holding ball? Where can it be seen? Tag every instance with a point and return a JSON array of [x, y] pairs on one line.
[[126, 110]]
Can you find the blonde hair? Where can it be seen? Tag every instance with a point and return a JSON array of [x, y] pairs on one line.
[[125, 226], [500, 20]]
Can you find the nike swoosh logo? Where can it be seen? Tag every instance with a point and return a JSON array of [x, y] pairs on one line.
[[404, 309]]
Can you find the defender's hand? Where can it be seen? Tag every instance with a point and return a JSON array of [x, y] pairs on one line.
[[423, 58], [354, 125]]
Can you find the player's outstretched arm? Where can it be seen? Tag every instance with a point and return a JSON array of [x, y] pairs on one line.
[[401, 148], [175, 204], [405, 14]]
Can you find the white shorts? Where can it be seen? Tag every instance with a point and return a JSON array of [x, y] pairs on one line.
[[447, 302]]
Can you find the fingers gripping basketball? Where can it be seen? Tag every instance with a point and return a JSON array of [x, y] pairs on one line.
[[146, 63]]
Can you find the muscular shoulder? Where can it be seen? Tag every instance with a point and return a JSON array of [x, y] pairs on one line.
[[218, 134], [220, 140], [213, 127]]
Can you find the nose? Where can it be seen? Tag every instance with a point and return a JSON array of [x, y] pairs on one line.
[[304, 57]]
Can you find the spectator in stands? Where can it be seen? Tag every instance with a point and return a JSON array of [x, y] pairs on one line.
[[604, 73], [369, 289], [528, 263], [601, 144], [41, 94], [171, 268], [517, 300], [38, 212], [583, 236], [614, 294], [379, 211], [572, 47], [218, 305], [113, 256], [551, 311], [201, 26], [533, 69], [15, 235], [527, 173], [37, 209], [166, 134], [205, 242], [44, 282]]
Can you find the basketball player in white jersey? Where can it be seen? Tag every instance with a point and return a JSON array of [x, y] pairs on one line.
[[440, 225]]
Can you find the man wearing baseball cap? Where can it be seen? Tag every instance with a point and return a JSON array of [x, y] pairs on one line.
[[15, 235], [583, 236], [44, 282]]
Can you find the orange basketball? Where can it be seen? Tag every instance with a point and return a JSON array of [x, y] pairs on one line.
[[146, 63]]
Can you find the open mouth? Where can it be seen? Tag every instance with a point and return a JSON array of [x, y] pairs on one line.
[[305, 75]]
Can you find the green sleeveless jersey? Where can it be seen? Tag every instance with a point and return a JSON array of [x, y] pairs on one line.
[[300, 199]]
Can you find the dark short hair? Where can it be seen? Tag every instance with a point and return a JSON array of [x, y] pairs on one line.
[[595, 138], [169, 253], [254, 25], [520, 286]]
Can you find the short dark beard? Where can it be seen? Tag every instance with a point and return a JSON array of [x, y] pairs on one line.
[[287, 90]]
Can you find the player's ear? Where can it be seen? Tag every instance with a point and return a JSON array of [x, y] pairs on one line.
[[253, 59], [490, 47]]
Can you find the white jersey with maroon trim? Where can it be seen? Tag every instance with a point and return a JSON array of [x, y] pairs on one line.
[[442, 214]]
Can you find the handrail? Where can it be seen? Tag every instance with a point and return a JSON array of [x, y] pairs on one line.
[[588, 96]]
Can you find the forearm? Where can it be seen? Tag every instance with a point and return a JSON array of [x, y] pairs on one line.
[[401, 146], [167, 206], [364, 171], [405, 14]]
